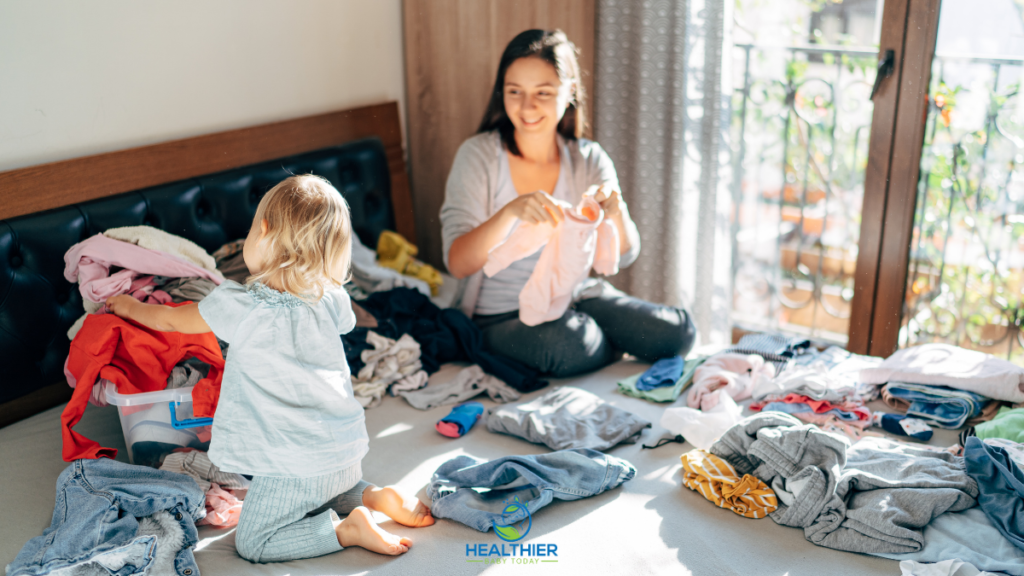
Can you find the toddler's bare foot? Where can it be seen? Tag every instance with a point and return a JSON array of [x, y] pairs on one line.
[[400, 506], [359, 529]]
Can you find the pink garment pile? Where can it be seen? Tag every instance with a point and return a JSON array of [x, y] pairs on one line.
[[584, 239], [89, 262], [734, 374], [818, 406], [223, 507]]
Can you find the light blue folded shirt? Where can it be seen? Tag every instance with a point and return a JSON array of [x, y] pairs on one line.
[[286, 405]]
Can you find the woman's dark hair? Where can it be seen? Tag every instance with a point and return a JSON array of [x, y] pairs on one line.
[[553, 47]]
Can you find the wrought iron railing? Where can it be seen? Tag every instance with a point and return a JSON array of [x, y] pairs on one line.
[[801, 122], [966, 278]]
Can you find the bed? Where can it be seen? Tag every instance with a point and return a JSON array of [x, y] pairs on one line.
[[206, 189]]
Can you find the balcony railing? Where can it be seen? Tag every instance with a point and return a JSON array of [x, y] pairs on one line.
[[801, 121], [801, 124], [966, 276]]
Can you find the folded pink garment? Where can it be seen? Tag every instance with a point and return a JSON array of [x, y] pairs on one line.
[[89, 262], [222, 508], [581, 241], [735, 374]]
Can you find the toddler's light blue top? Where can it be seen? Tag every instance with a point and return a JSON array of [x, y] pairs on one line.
[[286, 406]]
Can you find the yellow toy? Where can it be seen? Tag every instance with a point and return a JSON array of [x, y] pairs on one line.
[[395, 252]]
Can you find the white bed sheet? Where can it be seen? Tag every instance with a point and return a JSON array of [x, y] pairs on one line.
[[651, 525]]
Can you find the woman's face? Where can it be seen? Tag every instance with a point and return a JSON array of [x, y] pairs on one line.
[[535, 97]]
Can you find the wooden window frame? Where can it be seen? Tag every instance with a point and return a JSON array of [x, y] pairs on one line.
[[909, 28]]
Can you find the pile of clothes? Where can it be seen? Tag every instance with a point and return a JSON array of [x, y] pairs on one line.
[[413, 335], [877, 496], [807, 457], [108, 352], [945, 385]]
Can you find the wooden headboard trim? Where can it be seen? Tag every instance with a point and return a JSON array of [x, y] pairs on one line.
[[57, 184]]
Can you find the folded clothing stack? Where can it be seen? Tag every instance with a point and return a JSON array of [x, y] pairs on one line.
[[951, 366], [940, 406], [631, 386]]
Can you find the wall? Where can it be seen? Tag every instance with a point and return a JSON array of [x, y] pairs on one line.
[[452, 48], [79, 78]]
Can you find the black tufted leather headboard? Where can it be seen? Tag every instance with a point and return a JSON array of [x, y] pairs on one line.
[[37, 305]]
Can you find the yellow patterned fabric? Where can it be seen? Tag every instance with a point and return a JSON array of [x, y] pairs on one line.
[[718, 481], [395, 252]]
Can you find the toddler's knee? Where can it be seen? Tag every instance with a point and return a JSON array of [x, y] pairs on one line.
[[247, 545]]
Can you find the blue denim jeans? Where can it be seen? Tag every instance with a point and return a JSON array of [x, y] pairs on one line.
[[937, 405], [95, 520], [534, 480]]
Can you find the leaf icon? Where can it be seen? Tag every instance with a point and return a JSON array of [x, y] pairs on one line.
[[507, 532]]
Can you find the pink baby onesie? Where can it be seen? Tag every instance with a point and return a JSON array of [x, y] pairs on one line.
[[584, 239]]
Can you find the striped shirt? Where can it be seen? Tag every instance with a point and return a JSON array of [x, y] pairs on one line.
[[718, 481]]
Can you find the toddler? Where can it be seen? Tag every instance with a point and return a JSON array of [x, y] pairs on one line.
[[286, 414]]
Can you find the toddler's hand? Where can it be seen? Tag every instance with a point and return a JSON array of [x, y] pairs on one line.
[[121, 305]]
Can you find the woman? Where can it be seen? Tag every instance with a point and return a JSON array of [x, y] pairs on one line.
[[526, 160]]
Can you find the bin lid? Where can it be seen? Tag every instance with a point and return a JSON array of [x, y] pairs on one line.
[[118, 399]]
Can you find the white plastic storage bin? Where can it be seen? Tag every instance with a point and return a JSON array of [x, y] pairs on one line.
[[151, 429]]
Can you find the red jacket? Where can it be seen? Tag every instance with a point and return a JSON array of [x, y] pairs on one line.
[[136, 359]]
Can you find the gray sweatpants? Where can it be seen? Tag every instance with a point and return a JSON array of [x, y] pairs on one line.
[[293, 518], [875, 497], [592, 333]]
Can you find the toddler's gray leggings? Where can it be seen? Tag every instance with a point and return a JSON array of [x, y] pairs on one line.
[[293, 518]]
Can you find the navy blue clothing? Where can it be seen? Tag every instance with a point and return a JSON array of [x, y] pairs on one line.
[[664, 372], [1001, 487], [444, 336]]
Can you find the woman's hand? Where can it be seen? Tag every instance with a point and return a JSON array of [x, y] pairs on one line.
[[610, 201], [121, 305], [537, 208]]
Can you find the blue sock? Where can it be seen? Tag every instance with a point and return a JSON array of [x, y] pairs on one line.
[[901, 425], [664, 372], [460, 419]]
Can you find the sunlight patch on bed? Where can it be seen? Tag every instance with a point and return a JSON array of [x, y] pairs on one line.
[[396, 429], [663, 472], [204, 542], [423, 472]]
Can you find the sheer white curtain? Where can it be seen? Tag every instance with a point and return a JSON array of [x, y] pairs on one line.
[[661, 110]]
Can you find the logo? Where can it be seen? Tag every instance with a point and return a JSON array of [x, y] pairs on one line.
[[516, 519], [513, 526]]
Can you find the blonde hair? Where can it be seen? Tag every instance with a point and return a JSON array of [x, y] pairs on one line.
[[308, 244]]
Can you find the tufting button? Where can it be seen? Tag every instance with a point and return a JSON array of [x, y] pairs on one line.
[[187, 572], [178, 516], [16, 261], [61, 298]]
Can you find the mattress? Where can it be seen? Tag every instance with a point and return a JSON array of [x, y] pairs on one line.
[[651, 525]]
